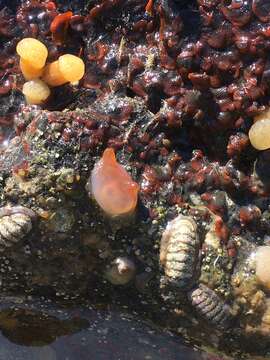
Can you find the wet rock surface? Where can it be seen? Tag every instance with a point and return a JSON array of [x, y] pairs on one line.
[[40, 330]]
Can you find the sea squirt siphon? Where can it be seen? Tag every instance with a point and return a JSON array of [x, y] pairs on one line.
[[112, 186]]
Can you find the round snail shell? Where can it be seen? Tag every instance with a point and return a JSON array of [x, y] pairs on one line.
[[121, 272]]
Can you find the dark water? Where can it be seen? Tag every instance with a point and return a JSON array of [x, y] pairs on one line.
[[42, 331]]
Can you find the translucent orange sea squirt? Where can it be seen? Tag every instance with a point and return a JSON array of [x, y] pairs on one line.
[[112, 186]]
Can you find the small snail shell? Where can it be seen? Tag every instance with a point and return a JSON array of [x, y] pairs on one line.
[[15, 223], [179, 251], [121, 272], [210, 307]]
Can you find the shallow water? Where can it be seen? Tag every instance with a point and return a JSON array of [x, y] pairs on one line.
[[42, 331]]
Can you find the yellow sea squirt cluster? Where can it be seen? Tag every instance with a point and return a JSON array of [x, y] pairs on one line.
[[33, 55]]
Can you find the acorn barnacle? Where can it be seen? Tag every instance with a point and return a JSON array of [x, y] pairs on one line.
[[210, 307], [179, 252], [112, 187], [15, 223]]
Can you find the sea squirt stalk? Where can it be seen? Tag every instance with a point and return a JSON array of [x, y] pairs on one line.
[[112, 186], [29, 72]]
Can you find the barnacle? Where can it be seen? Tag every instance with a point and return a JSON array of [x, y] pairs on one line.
[[112, 186], [36, 91], [121, 272], [179, 251], [15, 223], [209, 306], [33, 52]]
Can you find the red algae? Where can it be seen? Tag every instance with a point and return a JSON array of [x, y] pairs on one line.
[[112, 186], [59, 27]]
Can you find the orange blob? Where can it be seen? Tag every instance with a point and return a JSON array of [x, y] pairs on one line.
[[112, 186], [52, 75]]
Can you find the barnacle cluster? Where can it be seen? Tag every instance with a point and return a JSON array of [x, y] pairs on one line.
[[166, 124]]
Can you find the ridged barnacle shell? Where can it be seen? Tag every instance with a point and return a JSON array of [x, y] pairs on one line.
[[15, 223], [210, 307], [179, 252]]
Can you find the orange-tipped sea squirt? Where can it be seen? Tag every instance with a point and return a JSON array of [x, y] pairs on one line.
[[112, 186]]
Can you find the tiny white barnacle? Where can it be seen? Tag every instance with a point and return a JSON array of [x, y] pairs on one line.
[[210, 306], [15, 223], [179, 252]]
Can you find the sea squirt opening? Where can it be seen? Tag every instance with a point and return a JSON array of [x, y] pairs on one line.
[[112, 186]]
